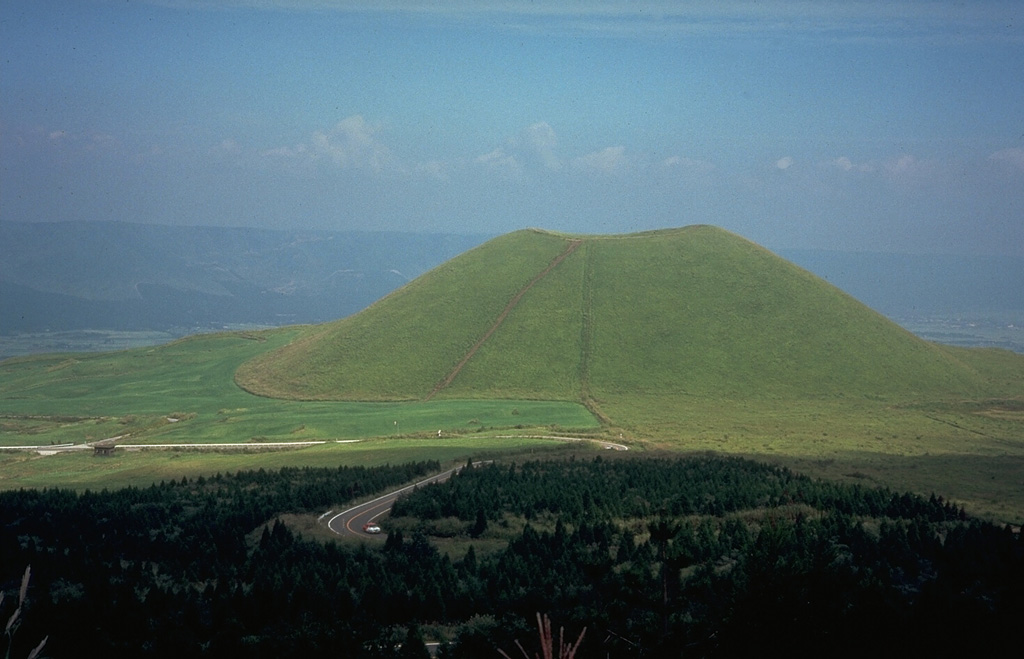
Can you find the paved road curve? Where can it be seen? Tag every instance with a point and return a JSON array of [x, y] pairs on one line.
[[349, 523]]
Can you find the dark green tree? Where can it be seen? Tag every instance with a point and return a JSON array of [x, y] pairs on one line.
[[480, 525], [413, 646]]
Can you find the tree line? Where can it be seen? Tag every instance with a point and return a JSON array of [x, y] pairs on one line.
[[686, 557]]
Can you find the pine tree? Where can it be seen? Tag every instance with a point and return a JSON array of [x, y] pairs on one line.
[[413, 646], [480, 525]]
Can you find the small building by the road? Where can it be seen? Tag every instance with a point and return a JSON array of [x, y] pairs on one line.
[[104, 449]]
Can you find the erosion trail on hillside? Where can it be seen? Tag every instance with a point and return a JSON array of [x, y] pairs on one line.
[[573, 245], [587, 342]]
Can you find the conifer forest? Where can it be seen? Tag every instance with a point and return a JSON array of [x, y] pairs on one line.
[[689, 557]]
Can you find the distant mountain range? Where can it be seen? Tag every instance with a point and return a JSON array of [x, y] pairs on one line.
[[116, 276], [119, 276], [902, 285]]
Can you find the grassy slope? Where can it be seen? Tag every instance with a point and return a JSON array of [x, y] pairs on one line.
[[537, 351], [399, 348], [700, 312]]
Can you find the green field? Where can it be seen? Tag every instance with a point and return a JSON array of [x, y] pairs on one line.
[[183, 393], [687, 340], [80, 470]]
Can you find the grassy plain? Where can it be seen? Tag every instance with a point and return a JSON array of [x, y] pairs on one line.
[[80, 470], [183, 393]]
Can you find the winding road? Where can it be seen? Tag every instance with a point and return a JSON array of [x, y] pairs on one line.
[[349, 523]]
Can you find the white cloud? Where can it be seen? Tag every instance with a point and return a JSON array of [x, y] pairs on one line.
[[848, 165], [433, 169], [540, 139], [103, 139], [84, 140], [784, 163], [940, 175], [1013, 156], [351, 144], [289, 152], [228, 150], [73, 142], [533, 147], [501, 160], [227, 146], [688, 164], [904, 164], [606, 161]]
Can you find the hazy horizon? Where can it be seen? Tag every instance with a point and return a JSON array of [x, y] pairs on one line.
[[58, 283], [868, 126]]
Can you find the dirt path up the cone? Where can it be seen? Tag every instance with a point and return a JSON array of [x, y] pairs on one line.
[[573, 244]]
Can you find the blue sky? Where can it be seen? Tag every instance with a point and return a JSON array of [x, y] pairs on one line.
[[879, 126]]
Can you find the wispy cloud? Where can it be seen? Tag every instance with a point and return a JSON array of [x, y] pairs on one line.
[[606, 161], [501, 160], [830, 19], [687, 164], [540, 140], [79, 141], [435, 169], [299, 151], [227, 146], [351, 144], [848, 165], [1013, 156], [903, 164], [534, 148]]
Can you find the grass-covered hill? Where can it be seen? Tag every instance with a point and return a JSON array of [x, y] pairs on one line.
[[691, 312]]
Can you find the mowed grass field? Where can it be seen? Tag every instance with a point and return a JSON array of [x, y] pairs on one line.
[[184, 393]]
